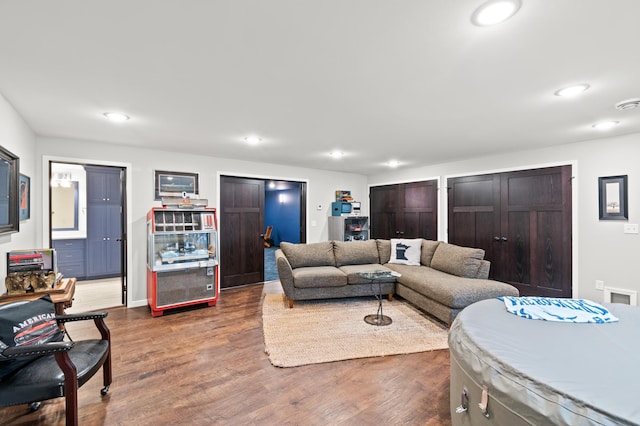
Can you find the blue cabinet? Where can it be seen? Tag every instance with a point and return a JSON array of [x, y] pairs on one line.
[[104, 222], [71, 257]]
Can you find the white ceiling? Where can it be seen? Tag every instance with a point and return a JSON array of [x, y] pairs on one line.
[[410, 80]]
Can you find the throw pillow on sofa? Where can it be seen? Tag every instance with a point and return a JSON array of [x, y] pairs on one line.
[[456, 260], [314, 254], [428, 249], [355, 252], [405, 251]]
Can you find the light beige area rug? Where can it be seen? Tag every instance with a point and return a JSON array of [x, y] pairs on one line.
[[334, 330]]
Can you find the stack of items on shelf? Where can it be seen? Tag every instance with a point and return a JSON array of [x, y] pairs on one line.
[[30, 271]]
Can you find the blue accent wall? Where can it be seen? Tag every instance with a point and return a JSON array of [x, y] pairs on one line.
[[283, 216]]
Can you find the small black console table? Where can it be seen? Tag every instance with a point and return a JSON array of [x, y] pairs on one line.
[[378, 276]]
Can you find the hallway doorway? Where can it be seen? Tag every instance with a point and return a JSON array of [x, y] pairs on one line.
[[87, 211], [247, 206]]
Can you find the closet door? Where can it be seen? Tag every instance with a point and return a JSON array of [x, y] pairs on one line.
[[384, 202], [406, 210], [474, 215], [536, 221], [523, 222]]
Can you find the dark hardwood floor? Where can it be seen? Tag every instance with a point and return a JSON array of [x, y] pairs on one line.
[[207, 366]]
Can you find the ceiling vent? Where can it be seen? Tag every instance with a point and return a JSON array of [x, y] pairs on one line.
[[628, 104]]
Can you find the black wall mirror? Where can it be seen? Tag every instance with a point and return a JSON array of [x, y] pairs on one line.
[[9, 170]]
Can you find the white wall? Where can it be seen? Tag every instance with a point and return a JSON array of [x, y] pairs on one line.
[[18, 138], [601, 250], [321, 188]]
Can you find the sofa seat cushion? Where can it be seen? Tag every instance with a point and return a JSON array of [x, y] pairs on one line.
[[456, 260], [355, 252], [314, 254], [449, 290], [319, 276], [352, 273]]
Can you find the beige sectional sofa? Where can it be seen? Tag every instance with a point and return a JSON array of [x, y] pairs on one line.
[[446, 280]]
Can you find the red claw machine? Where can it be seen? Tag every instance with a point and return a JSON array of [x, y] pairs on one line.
[[182, 255]]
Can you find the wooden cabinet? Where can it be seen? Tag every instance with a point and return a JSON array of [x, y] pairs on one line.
[[71, 257], [104, 222], [522, 220], [406, 210]]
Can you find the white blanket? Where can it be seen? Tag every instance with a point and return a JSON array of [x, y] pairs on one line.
[[555, 309]]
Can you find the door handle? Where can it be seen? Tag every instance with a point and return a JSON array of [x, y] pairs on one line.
[[496, 238], [504, 239]]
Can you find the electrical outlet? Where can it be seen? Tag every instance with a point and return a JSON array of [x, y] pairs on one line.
[[599, 285], [630, 228]]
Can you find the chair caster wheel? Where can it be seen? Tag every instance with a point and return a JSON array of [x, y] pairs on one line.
[[104, 390], [35, 406]]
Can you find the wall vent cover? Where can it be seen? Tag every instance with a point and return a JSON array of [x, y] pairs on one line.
[[620, 295], [628, 104]]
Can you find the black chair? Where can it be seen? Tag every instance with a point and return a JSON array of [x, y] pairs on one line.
[[60, 368]]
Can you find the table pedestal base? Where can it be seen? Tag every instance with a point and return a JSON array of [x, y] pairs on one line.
[[376, 319]]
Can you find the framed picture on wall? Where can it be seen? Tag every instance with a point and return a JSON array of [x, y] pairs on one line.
[[174, 184], [612, 192], [24, 197]]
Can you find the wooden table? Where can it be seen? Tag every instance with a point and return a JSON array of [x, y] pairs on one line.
[[61, 295]]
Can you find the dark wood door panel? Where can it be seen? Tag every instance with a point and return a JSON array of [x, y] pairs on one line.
[[241, 224], [523, 222], [408, 210]]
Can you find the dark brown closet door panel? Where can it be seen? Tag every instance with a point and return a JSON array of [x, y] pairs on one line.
[[522, 220], [514, 263], [473, 229], [419, 206], [419, 225], [241, 224], [384, 205], [474, 213], [406, 210], [537, 204], [551, 274]]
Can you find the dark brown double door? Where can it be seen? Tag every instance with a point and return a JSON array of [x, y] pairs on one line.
[[405, 210], [522, 220]]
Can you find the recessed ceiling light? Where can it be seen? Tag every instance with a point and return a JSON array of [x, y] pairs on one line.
[[253, 140], [572, 90], [605, 125], [336, 154], [495, 11], [393, 163], [116, 117]]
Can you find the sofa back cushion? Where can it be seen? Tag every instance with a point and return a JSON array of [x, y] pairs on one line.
[[428, 249], [456, 260], [384, 250], [355, 252], [406, 251], [314, 254]]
